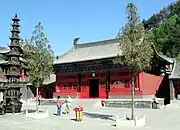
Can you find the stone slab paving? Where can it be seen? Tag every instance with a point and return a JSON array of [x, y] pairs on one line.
[[95, 118]]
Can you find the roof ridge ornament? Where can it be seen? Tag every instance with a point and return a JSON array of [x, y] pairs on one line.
[[16, 15], [75, 40]]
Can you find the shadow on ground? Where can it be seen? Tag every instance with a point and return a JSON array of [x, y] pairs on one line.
[[30, 111], [73, 120], [99, 116]]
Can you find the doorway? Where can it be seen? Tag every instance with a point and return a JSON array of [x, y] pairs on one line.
[[94, 88]]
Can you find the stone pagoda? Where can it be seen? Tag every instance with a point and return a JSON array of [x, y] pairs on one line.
[[13, 69]]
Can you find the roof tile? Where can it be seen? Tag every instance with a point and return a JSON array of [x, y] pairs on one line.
[[90, 51]]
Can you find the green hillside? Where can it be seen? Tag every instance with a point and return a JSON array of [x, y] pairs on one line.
[[165, 26]]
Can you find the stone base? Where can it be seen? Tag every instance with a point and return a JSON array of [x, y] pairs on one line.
[[124, 122], [126, 103], [17, 109], [37, 115]]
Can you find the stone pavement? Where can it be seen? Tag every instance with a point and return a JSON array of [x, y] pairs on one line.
[[95, 118]]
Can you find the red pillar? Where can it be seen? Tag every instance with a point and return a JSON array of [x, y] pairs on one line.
[[22, 73], [3, 76]]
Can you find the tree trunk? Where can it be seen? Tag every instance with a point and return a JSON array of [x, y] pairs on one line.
[[132, 99], [37, 94]]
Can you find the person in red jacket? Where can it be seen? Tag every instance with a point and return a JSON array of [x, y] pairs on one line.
[[59, 104]]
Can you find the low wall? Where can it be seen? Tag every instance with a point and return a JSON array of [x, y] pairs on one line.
[[129, 96], [64, 95], [45, 101], [126, 103], [125, 95]]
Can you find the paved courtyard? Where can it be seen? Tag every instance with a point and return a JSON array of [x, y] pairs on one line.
[[95, 118]]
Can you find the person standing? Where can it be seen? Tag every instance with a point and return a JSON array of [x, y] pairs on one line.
[[39, 99], [1, 97], [59, 104], [68, 104]]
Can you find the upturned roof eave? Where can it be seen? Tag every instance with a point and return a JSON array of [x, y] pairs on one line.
[[167, 59]]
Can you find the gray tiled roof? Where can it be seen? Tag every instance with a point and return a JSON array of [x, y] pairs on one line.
[[22, 59], [168, 59], [48, 81], [3, 61], [2, 51], [96, 50], [176, 71], [90, 51], [6, 50], [51, 79]]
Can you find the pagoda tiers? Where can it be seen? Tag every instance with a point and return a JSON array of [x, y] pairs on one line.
[[88, 71], [14, 66]]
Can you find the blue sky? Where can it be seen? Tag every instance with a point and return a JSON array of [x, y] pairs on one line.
[[91, 20]]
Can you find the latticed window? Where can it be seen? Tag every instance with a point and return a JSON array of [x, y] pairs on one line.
[[102, 82], [84, 76], [59, 84], [113, 73], [70, 85], [113, 83], [126, 84], [102, 75], [65, 85], [119, 83], [123, 73], [74, 85], [84, 83]]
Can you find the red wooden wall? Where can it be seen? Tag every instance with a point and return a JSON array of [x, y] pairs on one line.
[[66, 84], [120, 84], [149, 84]]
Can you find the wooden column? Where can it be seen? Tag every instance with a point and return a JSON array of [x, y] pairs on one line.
[[107, 81], [79, 82]]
